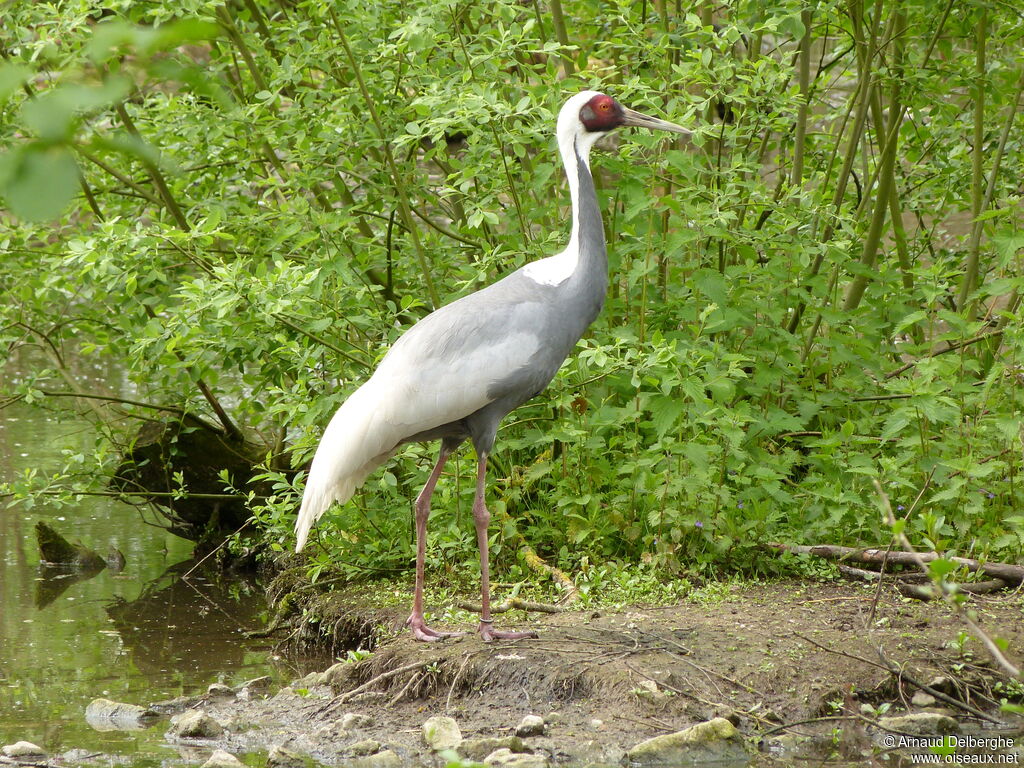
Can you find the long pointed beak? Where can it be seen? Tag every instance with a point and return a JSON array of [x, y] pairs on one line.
[[639, 120]]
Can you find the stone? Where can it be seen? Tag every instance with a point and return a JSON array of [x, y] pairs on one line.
[[441, 732], [175, 705], [510, 759], [260, 685], [279, 757], [530, 725], [220, 691], [716, 739], [195, 724], [922, 699], [943, 684], [338, 675], [22, 749], [384, 759], [364, 748], [222, 759], [478, 749], [921, 724], [353, 721], [107, 715]]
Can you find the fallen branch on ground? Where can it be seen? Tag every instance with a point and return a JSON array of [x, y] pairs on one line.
[[557, 574], [928, 592], [1011, 574], [510, 604]]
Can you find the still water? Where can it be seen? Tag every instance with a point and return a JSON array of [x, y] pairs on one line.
[[138, 636]]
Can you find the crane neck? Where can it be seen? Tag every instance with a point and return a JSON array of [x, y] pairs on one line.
[[585, 255], [575, 151]]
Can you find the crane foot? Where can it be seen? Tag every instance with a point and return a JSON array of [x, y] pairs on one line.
[[425, 634], [489, 633]]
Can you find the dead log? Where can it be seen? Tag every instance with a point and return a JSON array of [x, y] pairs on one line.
[[55, 550], [928, 592], [1010, 574]]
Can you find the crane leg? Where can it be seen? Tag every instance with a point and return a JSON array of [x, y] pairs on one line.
[[419, 627], [482, 519]]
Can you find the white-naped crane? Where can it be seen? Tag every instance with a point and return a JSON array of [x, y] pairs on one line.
[[456, 373]]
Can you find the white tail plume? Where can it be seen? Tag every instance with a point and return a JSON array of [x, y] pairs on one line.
[[357, 441]]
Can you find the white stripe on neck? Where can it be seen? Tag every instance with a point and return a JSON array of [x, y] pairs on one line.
[[574, 141]]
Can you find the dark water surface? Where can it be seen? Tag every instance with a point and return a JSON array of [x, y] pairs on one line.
[[138, 636]]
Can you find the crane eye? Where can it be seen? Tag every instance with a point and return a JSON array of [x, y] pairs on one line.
[[605, 106]]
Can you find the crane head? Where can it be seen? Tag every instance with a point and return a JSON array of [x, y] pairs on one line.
[[600, 113]]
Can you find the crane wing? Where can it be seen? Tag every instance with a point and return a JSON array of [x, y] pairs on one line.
[[452, 362]]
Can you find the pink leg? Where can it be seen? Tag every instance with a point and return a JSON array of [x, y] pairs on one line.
[[482, 518], [419, 627]]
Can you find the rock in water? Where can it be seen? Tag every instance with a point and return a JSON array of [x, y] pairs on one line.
[[222, 759], [714, 740], [440, 732], [920, 724], [107, 715], [22, 749], [195, 724]]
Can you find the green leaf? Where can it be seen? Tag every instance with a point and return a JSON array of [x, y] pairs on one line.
[[38, 181], [941, 567], [12, 77]]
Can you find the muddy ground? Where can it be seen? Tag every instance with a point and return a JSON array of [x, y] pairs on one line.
[[769, 657]]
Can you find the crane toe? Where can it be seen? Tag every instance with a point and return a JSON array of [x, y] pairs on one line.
[[425, 634], [489, 633]]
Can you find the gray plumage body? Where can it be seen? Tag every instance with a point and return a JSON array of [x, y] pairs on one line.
[[555, 317]]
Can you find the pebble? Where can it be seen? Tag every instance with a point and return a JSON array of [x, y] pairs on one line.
[[353, 721], [920, 724], [222, 759], [478, 749], [195, 724], [531, 725], [279, 757], [364, 748], [22, 749], [922, 699], [441, 732], [510, 759], [385, 759]]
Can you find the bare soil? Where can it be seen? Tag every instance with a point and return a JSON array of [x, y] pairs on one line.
[[766, 656]]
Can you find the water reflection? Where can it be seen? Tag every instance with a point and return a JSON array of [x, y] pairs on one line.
[[137, 636]]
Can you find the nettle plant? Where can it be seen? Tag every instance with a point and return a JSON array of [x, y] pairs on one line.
[[245, 204]]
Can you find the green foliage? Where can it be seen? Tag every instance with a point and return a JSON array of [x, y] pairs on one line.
[[205, 194]]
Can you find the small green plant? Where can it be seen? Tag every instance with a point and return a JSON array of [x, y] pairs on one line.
[[354, 657]]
